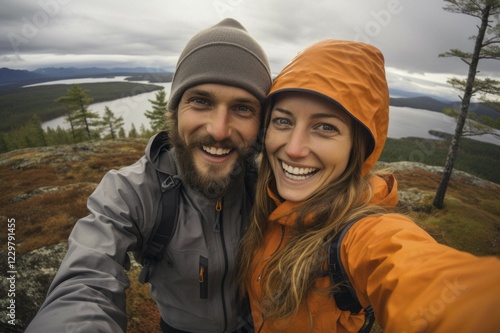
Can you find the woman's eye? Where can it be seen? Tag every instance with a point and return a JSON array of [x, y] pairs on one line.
[[327, 128], [281, 122]]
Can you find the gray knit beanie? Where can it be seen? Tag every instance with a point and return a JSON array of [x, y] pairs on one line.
[[225, 54]]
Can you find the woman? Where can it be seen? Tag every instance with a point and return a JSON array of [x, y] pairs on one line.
[[326, 127]]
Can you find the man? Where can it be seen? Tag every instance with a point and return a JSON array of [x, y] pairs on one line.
[[221, 80]]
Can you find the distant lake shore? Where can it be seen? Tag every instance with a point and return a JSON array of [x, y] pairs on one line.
[[403, 121]]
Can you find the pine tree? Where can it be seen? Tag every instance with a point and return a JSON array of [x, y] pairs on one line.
[[475, 124], [157, 116], [62, 135], [121, 133], [144, 132], [133, 132], [37, 133], [69, 119], [81, 117], [30, 134], [3, 143], [58, 136], [486, 47], [111, 123]]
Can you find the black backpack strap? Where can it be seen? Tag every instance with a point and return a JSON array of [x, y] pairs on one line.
[[250, 181], [346, 298], [166, 219], [165, 224]]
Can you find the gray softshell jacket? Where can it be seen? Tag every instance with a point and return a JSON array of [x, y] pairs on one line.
[[88, 292]]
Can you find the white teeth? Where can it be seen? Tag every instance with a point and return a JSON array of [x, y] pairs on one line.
[[216, 151], [297, 173]]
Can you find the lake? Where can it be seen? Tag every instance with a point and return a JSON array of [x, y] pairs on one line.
[[130, 108], [403, 121]]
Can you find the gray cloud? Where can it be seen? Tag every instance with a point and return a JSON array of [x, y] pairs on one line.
[[410, 33]]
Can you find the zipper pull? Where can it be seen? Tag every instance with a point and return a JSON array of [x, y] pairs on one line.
[[203, 277], [218, 210]]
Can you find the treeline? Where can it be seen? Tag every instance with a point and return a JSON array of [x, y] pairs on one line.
[[32, 134], [84, 124], [17, 106], [480, 159]]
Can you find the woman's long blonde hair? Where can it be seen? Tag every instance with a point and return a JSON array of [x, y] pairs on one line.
[[290, 273]]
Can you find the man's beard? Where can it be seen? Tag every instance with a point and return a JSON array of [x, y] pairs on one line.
[[210, 184]]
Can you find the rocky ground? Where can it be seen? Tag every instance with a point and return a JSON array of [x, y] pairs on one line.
[[45, 190]]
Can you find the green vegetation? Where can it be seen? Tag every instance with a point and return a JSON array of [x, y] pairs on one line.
[[463, 227], [477, 158], [84, 124], [18, 106], [111, 123], [476, 124], [80, 118], [486, 46], [157, 115]]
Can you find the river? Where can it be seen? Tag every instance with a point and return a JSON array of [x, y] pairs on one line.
[[403, 121]]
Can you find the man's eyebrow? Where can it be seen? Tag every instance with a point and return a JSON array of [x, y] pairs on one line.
[[247, 100], [209, 94], [196, 91]]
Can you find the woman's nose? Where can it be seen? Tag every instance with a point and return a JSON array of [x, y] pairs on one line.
[[297, 145]]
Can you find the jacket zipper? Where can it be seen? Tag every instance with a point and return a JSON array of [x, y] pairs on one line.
[[218, 213], [219, 227], [203, 277]]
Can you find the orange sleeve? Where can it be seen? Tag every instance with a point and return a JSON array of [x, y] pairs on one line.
[[416, 284]]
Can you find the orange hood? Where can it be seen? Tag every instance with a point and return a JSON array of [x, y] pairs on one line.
[[352, 75]]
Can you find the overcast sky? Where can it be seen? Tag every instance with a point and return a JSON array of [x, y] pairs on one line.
[[151, 33]]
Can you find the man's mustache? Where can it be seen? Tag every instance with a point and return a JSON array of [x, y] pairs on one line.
[[208, 140]]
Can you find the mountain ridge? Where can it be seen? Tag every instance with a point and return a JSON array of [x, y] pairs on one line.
[[432, 104], [14, 78]]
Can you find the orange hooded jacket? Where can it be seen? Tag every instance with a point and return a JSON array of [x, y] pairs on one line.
[[413, 283]]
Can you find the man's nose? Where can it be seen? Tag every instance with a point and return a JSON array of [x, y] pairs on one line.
[[219, 124]]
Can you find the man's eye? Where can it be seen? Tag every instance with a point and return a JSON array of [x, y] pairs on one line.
[[244, 111], [199, 101], [243, 108]]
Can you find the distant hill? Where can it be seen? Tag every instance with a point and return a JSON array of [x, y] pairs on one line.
[[431, 104], [399, 93], [91, 71], [420, 102], [8, 75], [13, 78]]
